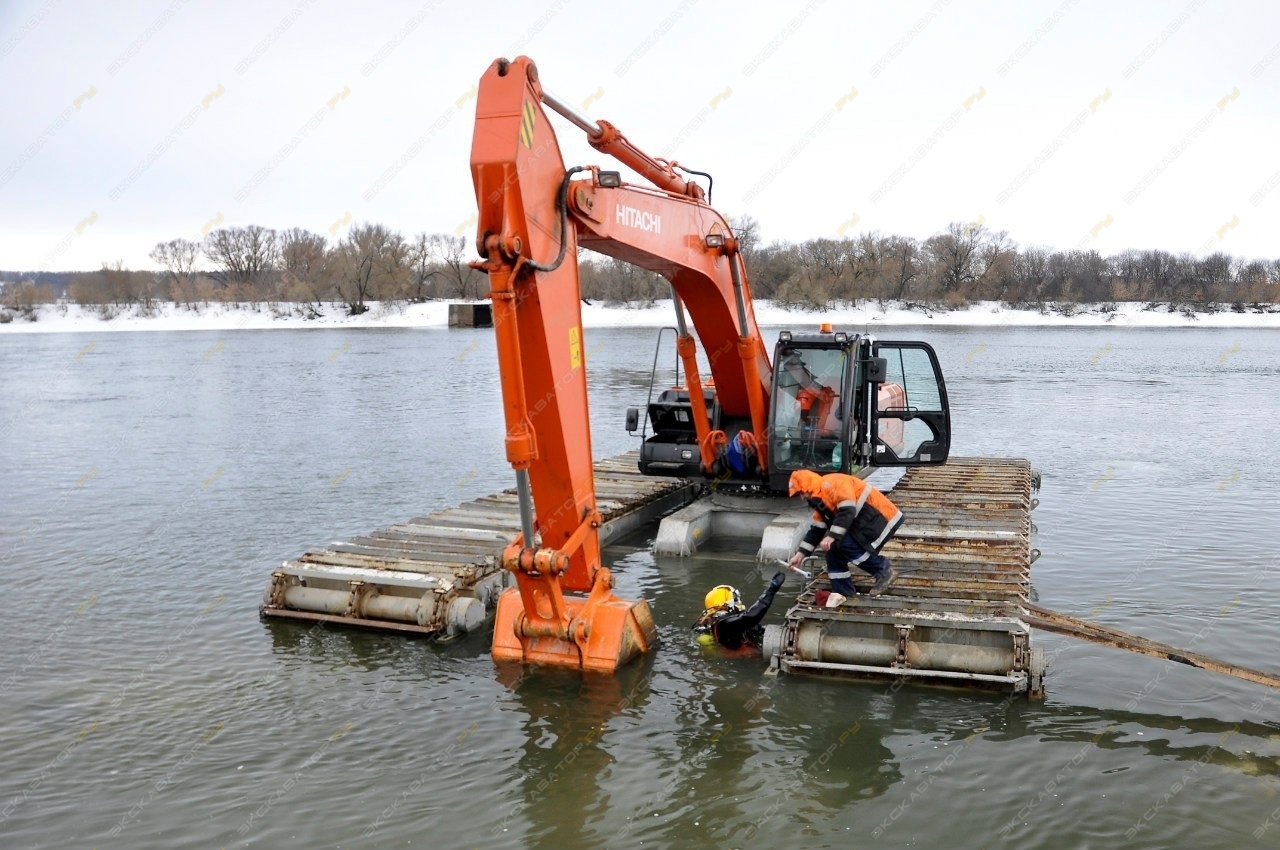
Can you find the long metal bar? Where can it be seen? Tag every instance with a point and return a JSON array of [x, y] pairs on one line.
[[1013, 679], [1065, 624], [681, 327], [525, 497], [738, 297], [582, 122], [607, 139], [653, 372], [682, 330]]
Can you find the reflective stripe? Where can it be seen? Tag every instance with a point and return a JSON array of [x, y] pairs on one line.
[[806, 547], [845, 574], [888, 529], [837, 530], [862, 499], [860, 558], [847, 503]]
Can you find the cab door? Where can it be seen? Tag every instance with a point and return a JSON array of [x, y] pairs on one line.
[[911, 426]]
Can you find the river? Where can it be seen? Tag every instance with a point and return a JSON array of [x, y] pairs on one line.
[[150, 482]]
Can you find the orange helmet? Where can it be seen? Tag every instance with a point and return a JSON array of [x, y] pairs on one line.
[[805, 481]]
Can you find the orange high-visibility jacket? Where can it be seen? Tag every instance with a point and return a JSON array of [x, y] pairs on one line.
[[849, 505]]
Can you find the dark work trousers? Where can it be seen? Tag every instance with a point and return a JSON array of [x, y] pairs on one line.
[[844, 552]]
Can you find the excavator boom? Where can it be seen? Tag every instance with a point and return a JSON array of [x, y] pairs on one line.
[[520, 183]]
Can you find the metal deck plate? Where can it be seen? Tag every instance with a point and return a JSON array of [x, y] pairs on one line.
[[453, 553], [963, 561]]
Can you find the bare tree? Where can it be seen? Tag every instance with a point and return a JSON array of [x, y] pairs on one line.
[[1254, 282], [396, 272], [770, 268], [996, 253], [242, 254], [25, 297], [1127, 282], [618, 282], [178, 258], [371, 262], [452, 258], [901, 264], [305, 276], [421, 267], [1030, 271], [1159, 270], [301, 251], [747, 230], [954, 254], [115, 284], [1213, 276]]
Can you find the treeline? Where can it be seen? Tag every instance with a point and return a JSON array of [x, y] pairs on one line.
[[371, 262], [295, 266], [969, 262]]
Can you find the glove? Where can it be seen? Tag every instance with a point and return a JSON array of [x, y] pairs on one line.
[[779, 578]]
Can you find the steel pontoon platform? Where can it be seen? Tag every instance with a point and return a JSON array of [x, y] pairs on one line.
[[440, 574], [954, 614]]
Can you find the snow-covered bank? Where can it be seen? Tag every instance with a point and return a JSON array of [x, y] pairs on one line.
[[51, 318]]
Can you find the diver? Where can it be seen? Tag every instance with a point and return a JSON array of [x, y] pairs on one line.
[[728, 622]]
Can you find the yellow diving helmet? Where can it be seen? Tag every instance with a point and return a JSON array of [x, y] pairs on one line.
[[721, 595]]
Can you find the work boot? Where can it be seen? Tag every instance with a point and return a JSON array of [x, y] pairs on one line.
[[886, 577]]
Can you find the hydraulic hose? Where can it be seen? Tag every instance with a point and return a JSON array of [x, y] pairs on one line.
[[562, 204]]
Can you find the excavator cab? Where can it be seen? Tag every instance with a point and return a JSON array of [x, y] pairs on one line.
[[843, 401], [813, 403], [838, 402]]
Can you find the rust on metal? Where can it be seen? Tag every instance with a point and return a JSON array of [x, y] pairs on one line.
[[953, 615], [432, 574], [960, 608]]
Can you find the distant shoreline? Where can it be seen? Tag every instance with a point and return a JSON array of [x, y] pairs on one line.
[[71, 318]]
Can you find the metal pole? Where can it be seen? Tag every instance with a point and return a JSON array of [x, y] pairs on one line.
[[737, 294], [582, 122], [525, 497], [680, 325], [682, 330], [1077, 627]]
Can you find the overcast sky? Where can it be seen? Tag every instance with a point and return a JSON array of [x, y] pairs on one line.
[[1091, 124]]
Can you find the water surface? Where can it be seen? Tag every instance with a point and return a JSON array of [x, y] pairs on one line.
[[150, 481]]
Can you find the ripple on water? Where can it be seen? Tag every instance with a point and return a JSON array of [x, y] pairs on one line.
[[189, 727]]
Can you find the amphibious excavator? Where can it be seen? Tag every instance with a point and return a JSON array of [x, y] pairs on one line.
[[961, 611], [829, 401]]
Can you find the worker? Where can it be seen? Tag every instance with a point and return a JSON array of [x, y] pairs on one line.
[[851, 522], [728, 622]]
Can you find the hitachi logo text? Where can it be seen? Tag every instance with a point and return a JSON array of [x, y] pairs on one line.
[[639, 219]]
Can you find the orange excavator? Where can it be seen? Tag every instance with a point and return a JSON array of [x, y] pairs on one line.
[[836, 401]]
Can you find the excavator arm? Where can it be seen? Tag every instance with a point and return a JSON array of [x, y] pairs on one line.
[[532, 217]]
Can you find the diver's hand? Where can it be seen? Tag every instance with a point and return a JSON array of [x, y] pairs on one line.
[[779, 578]]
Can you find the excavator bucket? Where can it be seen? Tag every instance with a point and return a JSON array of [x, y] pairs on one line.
[[604, 631]]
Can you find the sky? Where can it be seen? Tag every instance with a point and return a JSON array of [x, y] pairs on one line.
[[1071, 124]]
